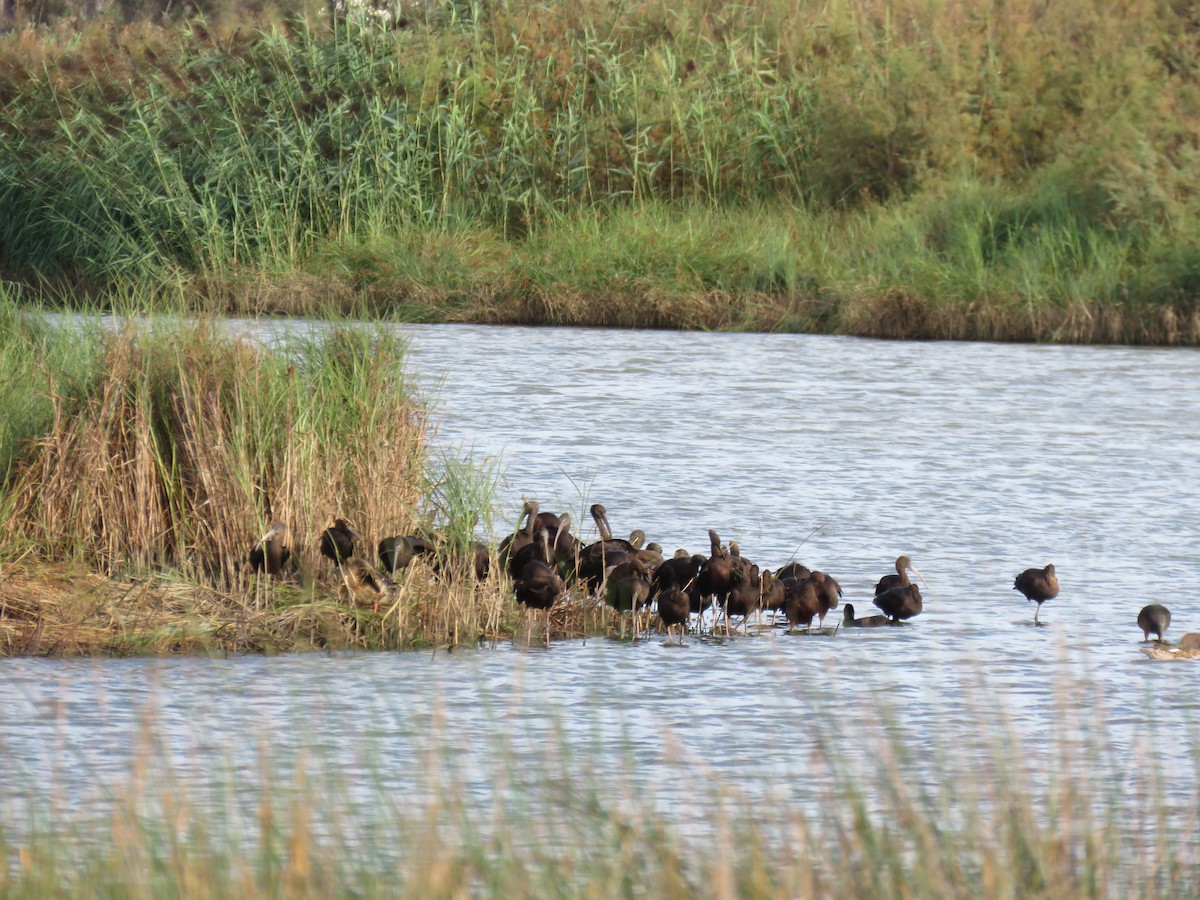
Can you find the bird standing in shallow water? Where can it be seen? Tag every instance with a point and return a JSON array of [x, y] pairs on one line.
[[898, 597], [1039, 585], [901, 602], [900, 579], [1154, 618], [674, 608]]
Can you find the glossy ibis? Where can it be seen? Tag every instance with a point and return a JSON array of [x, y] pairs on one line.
[[828, 593], [900, 579], [269, 554], [674, 608], [900, 602], [1154, 618], [802, 603], [1039, 585], [538, 585], [337, 540]]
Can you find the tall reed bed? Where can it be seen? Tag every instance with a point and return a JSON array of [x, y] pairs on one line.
[[144, 462], [425, 167], [859, 815]]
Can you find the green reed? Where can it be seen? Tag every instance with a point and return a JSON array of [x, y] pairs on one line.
[[966, 160]]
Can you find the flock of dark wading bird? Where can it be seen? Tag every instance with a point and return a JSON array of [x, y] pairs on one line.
[[546, 564]]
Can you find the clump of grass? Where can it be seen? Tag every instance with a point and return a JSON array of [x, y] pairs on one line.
[[187, 442], [150, 473]]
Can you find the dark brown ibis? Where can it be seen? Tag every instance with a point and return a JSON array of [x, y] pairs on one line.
[[1038, 585], [900, 602], [626, 589], [522, 535], [802, 603], [598, 557], [681, 571], [721, 571], [397, 552], [828, 594], [538, 585], [269, 554], [772, 591], [674, 608], [1154, 618], [900, 579], [793, 570], [337, 540]]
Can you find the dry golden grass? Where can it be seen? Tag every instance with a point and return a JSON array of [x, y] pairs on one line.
[[66, 611], [127, 526]]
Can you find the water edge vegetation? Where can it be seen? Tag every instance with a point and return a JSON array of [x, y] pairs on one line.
[[142, 463], [911, 169], [984, 813]]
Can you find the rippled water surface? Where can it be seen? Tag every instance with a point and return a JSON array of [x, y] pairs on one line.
[[975, 460]]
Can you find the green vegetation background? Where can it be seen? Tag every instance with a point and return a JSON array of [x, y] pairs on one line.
[[1007, 170]]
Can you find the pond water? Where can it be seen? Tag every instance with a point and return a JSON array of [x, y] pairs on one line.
[[976, 460]]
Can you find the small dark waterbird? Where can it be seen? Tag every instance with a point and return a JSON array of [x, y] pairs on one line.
[[1154, 618], [269, 554], [849, 620], [1038, 585]]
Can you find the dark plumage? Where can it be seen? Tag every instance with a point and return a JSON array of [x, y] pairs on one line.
[[269, 554], [828, 593], [744, 598], [772, 592], [674, 608], [337, 540], [849, 621], [522, 535], [598, 557], [397, 552], [793, 570], [900, 579], [802, 602], [901, 602], [1038, 585], [1154, 618], [538, 585], [721, 572]]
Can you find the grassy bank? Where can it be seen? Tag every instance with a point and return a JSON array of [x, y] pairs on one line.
[[141, 466], [912, 170], [859, 816]]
